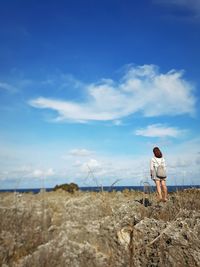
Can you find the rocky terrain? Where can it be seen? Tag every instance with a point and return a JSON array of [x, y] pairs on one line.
[[102, 229]]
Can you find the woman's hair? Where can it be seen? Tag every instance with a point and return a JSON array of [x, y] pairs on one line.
[[157, 152]]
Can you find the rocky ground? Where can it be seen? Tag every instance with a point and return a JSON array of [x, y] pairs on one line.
[[85, 229]]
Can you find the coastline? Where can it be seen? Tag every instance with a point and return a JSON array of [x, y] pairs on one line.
[[171, 188]]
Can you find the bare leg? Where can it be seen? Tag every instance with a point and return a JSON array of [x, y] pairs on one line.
[[164, 189], [158, 187]]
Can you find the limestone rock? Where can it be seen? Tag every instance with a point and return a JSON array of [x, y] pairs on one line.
[[102, 229]]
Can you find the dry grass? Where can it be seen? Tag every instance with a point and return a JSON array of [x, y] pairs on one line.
[[60, 229]]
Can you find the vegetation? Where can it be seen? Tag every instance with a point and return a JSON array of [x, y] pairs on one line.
[[71, 188], [99, 229]]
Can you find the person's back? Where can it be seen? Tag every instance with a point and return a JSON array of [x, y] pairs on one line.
[[159, 174]]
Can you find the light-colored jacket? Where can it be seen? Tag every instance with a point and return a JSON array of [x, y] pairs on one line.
[[155, 162]]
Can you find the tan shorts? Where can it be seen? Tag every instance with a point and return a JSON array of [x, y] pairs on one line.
[[159, 179]]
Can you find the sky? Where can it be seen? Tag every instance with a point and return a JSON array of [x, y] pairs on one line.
[[88, 88]]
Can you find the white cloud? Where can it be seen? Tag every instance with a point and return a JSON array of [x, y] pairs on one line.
[[91, 165], [159, 130], [37, 173], [80, 152], [130, 169], [180, 163], [7, 87], [40, 173], [25, 172], [142, 89]]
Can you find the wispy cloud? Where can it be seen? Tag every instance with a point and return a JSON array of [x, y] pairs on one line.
[[191, 4], [80, 152], [91, 165], [191, 8], [28, 171], [102, 169], [142, 89], [7, 87], [40, 173], [159, 130], [117, 123]]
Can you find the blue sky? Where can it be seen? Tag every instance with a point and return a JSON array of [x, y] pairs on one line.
[[95, 85]]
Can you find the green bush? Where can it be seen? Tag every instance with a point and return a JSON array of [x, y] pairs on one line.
[[71, 188]]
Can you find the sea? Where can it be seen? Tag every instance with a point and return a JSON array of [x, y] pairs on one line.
[[146, 188]]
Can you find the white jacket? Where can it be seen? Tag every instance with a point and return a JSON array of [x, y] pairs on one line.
[[155, 162]]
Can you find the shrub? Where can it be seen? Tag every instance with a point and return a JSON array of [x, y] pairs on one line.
[[71, 188]]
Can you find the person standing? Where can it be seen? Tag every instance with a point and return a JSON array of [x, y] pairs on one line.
[[158, 174]]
